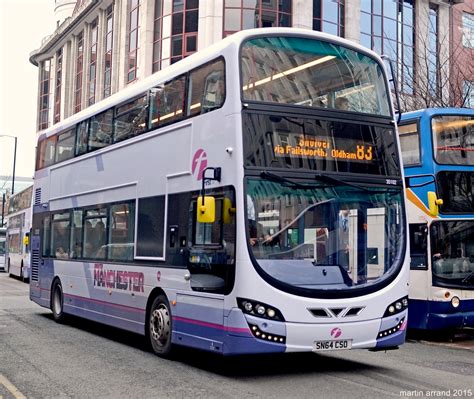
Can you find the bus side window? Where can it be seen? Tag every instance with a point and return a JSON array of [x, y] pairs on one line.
[[65, 146], [82, 134], [167, 103], [101, 130], [46, 237], [131, 119], [206, 88], [50, 151], [418, 246]]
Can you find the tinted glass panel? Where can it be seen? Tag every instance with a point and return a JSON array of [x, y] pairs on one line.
[[60, 238], [410, 144], [101, 130], [312, 73], [50, 151], [457, 191], [76, 234], [452, 248], [65, 146], [284, 142], [353, 237], [95, 234], [46, 237], [453, 138], [82, 137], [122, 232], [168, 103], [206, 88], [418, 246], [131, 119], [150, 233]]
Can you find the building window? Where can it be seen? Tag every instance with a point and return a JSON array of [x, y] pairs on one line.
[[241, 14], [109, 23], [133, 41], [468, 30], [468, 94], [387, 27], [57, 86], [432, 56], [93, 62], [184, 28], [157, 35], [79, 72], [45, 73], [328, 16]]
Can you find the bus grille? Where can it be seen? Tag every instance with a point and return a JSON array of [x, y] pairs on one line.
[[34, 264], [38, 196]]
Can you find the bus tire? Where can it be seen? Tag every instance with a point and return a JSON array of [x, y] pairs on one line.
[[159, 326], [57, 301]]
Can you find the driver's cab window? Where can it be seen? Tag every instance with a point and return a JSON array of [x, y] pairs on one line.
[[212, 247]]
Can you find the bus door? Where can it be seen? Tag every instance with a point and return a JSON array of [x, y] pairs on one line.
[[207, 250]]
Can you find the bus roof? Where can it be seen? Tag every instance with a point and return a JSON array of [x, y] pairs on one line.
[[191, 62], [428, 112]]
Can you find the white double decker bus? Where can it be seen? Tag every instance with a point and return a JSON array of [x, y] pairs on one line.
[[18, 234], [247, 199]]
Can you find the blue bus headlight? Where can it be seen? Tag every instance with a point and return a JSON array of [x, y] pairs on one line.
[[259, 309], [455, 301]]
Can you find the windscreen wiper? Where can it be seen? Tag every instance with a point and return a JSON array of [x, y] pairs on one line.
[[339, 182], [468, 277], [279, 179]]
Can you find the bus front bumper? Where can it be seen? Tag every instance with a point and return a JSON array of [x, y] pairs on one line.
[[435, 315]]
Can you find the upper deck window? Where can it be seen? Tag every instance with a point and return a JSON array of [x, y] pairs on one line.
[[312, 73], [453, 139]]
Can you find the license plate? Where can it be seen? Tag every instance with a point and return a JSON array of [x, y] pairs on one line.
[[337, 345]]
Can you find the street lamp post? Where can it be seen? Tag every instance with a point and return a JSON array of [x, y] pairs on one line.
[[14, 160]]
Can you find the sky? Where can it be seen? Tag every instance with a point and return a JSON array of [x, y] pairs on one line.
[[23, 24]]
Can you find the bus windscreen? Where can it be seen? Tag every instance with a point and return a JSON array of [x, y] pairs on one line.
[[312, 73], [453, 139]]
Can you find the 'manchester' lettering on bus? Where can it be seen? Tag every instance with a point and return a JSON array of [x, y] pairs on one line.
[[121, 280]]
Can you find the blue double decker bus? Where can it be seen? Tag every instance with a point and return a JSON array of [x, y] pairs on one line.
[[438, 154]]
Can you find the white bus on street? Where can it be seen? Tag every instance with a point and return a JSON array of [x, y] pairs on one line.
[[246, 199], [18, 234]]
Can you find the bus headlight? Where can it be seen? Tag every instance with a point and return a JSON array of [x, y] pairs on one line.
[[259, 309], [396, 307], [455, 301]]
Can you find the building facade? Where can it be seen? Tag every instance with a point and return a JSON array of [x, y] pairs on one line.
[[462, 54], [101, 47]]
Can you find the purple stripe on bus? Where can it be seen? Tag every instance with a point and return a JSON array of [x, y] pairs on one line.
[[105, 303], [211, 325]]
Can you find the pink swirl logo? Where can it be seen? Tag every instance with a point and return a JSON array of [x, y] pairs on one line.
[[336, 332], [199, 158]]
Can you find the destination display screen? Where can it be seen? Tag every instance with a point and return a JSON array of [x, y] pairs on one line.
[[319, 145]]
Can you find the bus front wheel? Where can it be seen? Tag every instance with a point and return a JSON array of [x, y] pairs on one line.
[[160, 326], [57, 301]]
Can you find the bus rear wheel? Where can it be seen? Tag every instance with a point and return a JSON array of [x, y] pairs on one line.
[[57, 302], [160, 326]]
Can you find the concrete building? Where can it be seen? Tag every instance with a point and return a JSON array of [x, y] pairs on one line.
[[100, 47]]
